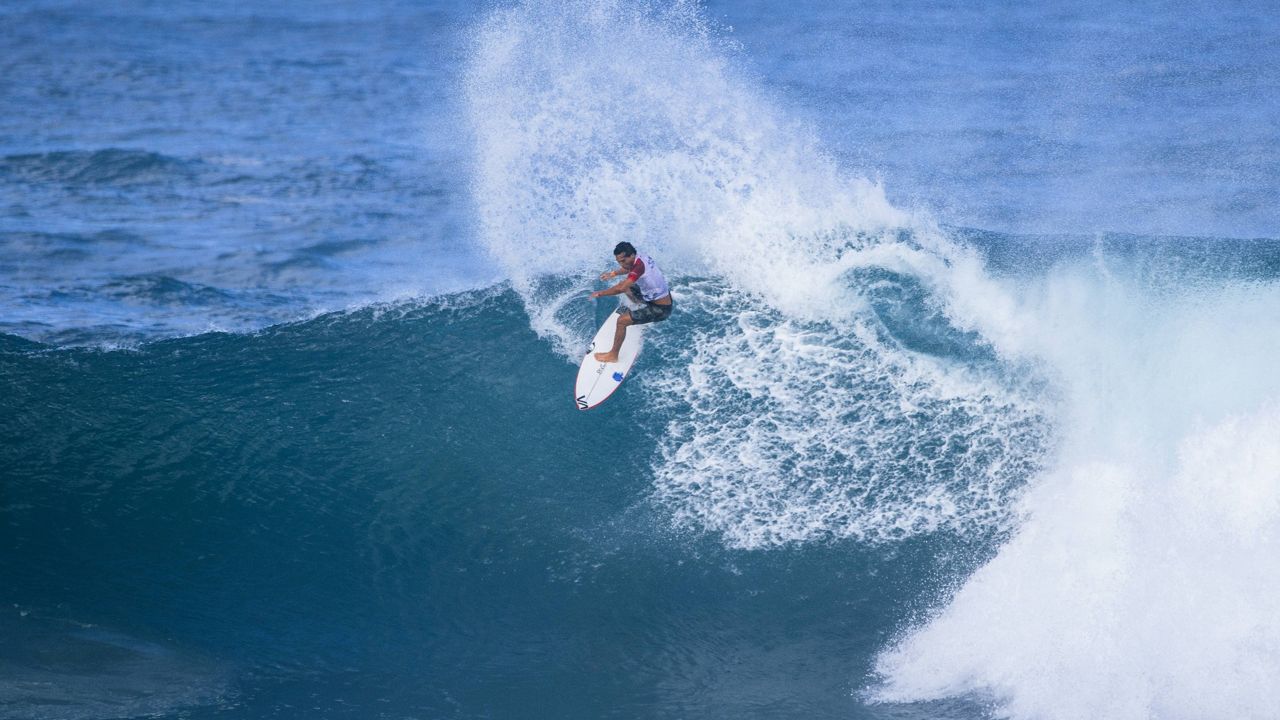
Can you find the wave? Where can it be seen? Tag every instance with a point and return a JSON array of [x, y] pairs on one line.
[[841, 375], [108, 166], [1131, 480], [1145, 541], [159, 289], [856, 372]]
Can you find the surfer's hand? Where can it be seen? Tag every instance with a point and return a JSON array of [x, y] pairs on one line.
[[606, 275]]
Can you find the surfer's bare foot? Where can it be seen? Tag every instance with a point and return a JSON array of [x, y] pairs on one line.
[[607, 357]]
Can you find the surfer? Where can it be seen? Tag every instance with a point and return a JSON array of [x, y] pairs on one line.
[[645, 284]]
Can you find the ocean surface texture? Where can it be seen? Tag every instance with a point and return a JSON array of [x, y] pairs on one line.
[[969, 408]]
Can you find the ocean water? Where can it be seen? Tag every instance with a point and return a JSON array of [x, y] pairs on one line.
[[968, 410]]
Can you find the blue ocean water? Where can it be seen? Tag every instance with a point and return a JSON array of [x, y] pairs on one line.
[[968, 409]]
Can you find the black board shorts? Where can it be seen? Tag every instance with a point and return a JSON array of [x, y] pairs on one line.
[[650, 312]]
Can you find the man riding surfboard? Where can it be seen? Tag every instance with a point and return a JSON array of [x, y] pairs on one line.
[[645, 284]]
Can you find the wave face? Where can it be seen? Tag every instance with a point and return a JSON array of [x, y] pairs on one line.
[[354, 511]]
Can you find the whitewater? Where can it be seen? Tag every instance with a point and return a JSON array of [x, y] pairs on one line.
[[968, 409]]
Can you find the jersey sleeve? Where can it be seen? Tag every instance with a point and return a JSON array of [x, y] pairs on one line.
[[636, 270]]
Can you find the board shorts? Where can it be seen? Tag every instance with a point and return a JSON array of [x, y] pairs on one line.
[[650, 312]]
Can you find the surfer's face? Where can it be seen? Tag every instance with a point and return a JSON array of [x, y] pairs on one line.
[[626, 261]]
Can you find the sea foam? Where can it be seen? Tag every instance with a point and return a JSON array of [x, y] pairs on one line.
[[1142, 581]]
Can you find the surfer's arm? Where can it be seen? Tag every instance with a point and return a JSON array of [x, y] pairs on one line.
[[618, 289]]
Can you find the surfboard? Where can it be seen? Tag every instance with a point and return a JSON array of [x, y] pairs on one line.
[[597, 380]]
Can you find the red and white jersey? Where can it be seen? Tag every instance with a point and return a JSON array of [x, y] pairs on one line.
[[648, 278]]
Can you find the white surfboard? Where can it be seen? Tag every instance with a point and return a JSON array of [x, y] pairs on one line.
[[597, 380]]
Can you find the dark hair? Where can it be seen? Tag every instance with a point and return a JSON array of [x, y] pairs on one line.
[[624, 248]]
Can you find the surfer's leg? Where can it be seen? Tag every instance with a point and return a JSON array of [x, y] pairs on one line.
[[618, 336]]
